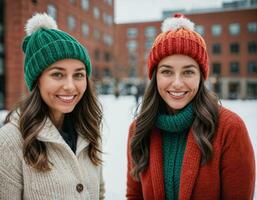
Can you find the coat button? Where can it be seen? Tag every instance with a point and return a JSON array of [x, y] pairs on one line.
[[79, 187]]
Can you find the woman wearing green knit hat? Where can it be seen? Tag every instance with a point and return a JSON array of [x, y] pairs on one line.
[[50, 145], [183, 144]]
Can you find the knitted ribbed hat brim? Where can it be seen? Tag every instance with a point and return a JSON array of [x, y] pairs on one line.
[[50, 54]]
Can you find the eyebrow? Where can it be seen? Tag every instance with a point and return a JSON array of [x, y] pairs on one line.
[[63, 69], [170, 66]]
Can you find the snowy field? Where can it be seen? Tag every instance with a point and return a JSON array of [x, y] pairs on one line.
[[118, 113]]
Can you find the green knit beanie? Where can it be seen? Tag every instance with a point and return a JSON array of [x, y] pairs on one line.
[[45, 45]]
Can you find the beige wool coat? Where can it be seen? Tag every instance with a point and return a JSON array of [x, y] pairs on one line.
[[73, 176]]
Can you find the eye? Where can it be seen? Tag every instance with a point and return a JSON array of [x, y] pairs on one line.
[[79, 75], [189, 72], [166, 72], [57, 74]]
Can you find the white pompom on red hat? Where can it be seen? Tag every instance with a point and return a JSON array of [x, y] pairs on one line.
[[177, 22]]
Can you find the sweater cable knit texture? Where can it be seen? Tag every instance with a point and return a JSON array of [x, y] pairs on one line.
[[68, 170]]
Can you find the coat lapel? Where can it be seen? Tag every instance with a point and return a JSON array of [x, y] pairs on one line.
[[82, 143], [190, 168], [49, 133], [156, 165]]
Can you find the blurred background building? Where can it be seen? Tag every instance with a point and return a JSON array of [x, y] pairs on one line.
[[231, 36], [119, 51], [91, 22]]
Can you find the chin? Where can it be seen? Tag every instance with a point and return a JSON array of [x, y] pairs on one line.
[[66, 110], [177, 107]]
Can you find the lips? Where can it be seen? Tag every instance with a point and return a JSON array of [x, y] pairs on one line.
[[66, 98], [178, 94]]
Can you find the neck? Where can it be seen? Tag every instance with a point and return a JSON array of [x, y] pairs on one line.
[[176, 122], [57, 119]]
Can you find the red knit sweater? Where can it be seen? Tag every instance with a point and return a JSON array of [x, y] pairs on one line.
[[230, 175]]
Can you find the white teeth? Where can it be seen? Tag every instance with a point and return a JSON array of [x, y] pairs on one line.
[[66, 98], [177, 94]]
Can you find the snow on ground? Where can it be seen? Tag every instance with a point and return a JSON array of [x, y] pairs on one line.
[[118, 114]]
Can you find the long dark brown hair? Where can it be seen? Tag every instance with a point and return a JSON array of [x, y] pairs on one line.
[[206, 109], [33, 113]]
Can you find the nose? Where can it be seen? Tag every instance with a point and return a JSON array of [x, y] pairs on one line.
[[177, 82], [69, 84]]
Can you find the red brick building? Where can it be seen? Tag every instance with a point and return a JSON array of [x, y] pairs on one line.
[[119, 52], [231, 37], [91, 22]]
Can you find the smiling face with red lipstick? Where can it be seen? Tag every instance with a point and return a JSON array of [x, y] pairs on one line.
[[61, 86], [178, 78]]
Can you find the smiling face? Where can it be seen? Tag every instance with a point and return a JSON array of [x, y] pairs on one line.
[[178, 78], [62, 85]]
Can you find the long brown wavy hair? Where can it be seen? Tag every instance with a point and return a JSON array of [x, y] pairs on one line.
[[33, 113], [206, 109]]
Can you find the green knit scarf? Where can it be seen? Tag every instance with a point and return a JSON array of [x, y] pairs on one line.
[[174, 130], [178, 122]]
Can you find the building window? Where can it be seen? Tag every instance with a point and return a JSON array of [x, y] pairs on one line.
[[216, 30], [107, 56], [109, 2], [199, 29], [252, 47], [132, 32], [149, 43], [105, 18], [72, 1], [150, 31], [107, 72], [85, 29], [252, 27], [52, 11], [132, 45], [252, 67], [216, 49], [252, 90], [96, 12], [233, 90], [234, 29], [216, 68], [234, 48], [96, 34], [85, 4], [109, 19], [71, 22], [217, 88], [107, 39], [97, 54], [234, 67]]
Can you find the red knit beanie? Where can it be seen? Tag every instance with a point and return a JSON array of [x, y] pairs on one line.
[[178, 37]]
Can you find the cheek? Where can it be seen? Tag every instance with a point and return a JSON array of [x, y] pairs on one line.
[[194, 83], [161, 82], [194, 86], [83, 86]]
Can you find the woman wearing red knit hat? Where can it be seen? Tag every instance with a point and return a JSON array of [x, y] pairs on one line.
[[184, 144]]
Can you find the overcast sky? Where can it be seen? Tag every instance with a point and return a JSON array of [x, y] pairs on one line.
[[148, 10]]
